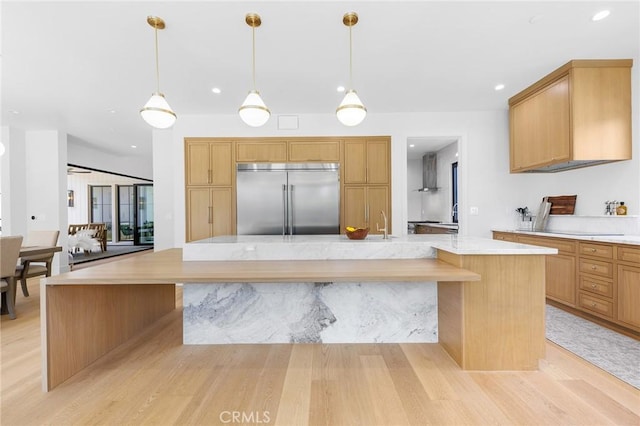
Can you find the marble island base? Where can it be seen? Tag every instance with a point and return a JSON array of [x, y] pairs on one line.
[[326, 312]]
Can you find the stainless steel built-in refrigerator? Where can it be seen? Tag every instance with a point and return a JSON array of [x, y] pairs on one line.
[[288, 198]]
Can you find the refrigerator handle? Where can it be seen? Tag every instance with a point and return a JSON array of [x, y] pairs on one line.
[[290, 209], [284, 209]]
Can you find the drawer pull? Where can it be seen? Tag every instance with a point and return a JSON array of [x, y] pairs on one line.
[[594, 286], [593, 250], [593, 305], [594, 267]]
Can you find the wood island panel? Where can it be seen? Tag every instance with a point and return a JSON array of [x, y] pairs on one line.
[[82, 323], [498, 322]]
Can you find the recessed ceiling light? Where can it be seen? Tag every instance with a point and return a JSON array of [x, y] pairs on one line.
[[216, 90], [14, 112], [134, 146], [499, 86], [412, 146], [600, 15], [112, 111], [340, 89]]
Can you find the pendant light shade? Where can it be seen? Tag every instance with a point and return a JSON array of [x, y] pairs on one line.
[[157, 112], [351, 111], [254, 111]]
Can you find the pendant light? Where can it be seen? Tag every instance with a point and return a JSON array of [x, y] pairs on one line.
[[253, 110], [157, 112], [351, 111]]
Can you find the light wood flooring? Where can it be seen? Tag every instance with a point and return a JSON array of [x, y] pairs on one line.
[[154, 379]]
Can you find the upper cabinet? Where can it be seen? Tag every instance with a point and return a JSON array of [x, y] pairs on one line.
[[262, 151], [367, 161], [577, 116], [209, 163], [312, 150]]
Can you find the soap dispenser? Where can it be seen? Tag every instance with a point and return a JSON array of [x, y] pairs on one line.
[[621, 210]]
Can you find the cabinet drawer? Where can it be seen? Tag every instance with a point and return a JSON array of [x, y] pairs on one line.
[[629, 254], [595, 304], [600, 287], [604, 251], [595, 267], [562, 245], [504, 236]]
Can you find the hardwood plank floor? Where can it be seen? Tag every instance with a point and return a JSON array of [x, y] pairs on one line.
[[154, 379]]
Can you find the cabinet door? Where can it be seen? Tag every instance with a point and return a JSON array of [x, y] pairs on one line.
[[377, 162], [629, 295], [300, 151], [355, 207], [378, 200], [561, 278], [275, 152], [197, 163], [355, 162], [222, 218], [221, 163], [198, 214], [540, 127]]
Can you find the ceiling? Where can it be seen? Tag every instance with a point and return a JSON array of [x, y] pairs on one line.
[[86, 68]]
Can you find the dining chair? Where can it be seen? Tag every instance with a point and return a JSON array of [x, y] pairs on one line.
[[10, 249], [33, 266]]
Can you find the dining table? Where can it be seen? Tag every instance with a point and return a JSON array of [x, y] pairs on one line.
[[28, 251]]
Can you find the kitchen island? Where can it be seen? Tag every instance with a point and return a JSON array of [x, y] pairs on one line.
[[488, 306]]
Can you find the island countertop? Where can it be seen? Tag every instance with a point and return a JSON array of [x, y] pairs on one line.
[[276, 247]]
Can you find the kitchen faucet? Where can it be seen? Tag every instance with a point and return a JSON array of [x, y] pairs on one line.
[[386, 226]]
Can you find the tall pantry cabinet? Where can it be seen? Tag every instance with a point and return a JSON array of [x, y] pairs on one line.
[[210, 186], [367, 183]]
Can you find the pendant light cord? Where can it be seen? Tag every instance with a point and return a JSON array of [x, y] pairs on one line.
[[253, 34], [157, 64], [350, 59]]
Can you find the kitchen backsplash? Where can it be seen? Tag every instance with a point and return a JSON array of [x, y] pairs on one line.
[[627, 225]]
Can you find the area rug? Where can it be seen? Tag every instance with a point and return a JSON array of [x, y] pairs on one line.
[[112, 250], [613, 352]]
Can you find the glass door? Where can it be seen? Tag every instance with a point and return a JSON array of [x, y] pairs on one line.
[[143, 231], [101, 207], [126, 214]]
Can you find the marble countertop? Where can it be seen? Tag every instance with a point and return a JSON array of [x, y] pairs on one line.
[[415, 246], [580, 235]]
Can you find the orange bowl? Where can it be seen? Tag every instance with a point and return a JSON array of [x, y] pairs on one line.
[[358, 234]]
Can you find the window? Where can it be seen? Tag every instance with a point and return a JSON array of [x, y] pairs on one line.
[[101, 207], [454, 193], [126, 214]]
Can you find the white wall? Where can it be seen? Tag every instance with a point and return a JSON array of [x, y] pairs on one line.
[[34, 185]]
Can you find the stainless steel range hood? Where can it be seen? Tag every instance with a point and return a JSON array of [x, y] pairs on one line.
[[429, 172]]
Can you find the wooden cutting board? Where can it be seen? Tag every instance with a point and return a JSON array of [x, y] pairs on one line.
[[562, 204]]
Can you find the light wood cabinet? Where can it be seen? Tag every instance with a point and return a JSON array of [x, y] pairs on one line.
[[210, 177], [210, 212], [600, 279], [557, 123], [209, 163], [367, 161], [362, 206], [313, 150], [560, 268], [256, 152], [629, 295]]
